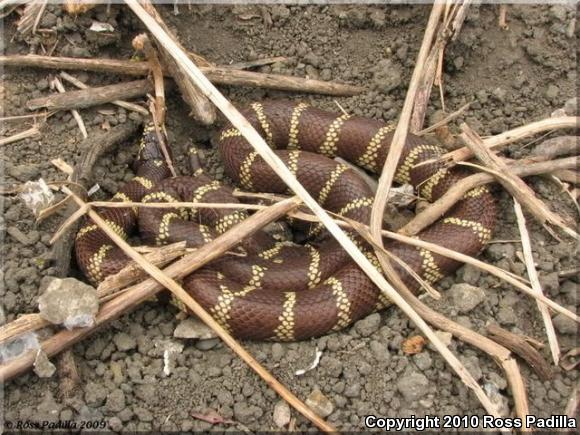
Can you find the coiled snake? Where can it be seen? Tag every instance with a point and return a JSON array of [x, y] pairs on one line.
[[281, 291]]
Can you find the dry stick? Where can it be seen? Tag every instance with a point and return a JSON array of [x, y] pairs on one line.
[[201, 108], [521, 347], [92, 96], [76, 115], [31, 132], [445, 120], [455, 193], [258, 62], [283, 172], [515, 135], [513, 184], [124, 104], [218, 75], [535, 281], [142, 43]]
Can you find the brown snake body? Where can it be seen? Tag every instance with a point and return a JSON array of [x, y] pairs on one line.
[[278, 290]]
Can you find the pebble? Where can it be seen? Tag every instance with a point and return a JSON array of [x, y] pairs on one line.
[[319, 403], [466, 297], [497, 251], [19, 236], [471, 363], [207, 344], [564, 324], [422, 360], [281, 414], [413, 386], [42, 365], [95, 394], [277, 352], [194, 328], [470, 274], [116, 401], [368, 325], [124, 341], [69, 302], [24, 172], [380, 350], [506, 316]]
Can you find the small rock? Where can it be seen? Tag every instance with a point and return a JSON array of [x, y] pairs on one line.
[[471, 363], [380, 350], [458, 62], [69, 302], [207, 344], [24, 172], [552, 92], [95, 394], [506, 315], [571, 107], [368, 325], [116, 401], [42, 365], [497, 251], [564, 324], [48, 20], [277, 352], [319, 403], [466, 297], [413, 386], [422, 360], [192, 327], [444, 336], [500, 94], [124, 341], [281, 414]]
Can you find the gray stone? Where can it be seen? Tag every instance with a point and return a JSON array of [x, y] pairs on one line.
[[69, 302], [380, 350], [422, 360], [95, 394], [552, 92], [466, 297], [506, 316], [497, 251], [471, 363], [207, 344], [124, 341], [413, 386], [368, 325], [565, 325], [116, 401], [24, 172], [194, 328], [281, 414], [277, 352], [319, 403], [42, 365]]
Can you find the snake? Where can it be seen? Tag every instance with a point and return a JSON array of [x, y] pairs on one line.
[[276, 289]]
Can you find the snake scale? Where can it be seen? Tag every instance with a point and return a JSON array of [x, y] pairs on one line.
[[282, 291]]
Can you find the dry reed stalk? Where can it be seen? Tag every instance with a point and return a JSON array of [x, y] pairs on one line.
[[124, 104], [514, 135], [535, 281], [258, 62], [89, 97], [445, 120], [443, 204], [513, 184], [31, 132], [258, 143], [217, 74], [138, 293], [76, 115]]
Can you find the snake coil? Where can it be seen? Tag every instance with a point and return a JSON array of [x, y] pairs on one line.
[[280, 291]]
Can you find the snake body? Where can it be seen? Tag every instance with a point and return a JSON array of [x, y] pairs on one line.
[[281, 291]]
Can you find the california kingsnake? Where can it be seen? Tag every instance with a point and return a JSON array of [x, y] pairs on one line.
[[281, 291]]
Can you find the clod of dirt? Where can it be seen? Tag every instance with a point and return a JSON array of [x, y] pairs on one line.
[[319, 403], [69, 302], [413, 386], [368, 325], [387, 76], [194, 328], [564, 324], [124, 341], [466, 297], [42, 365], [281, 414]]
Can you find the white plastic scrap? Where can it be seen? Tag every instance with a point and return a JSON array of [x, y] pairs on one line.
[[169, 348], [93, 189], [314, 364], [16, 347], [36, 195]]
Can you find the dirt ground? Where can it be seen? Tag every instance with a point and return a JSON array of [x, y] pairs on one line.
[[513, 76]]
